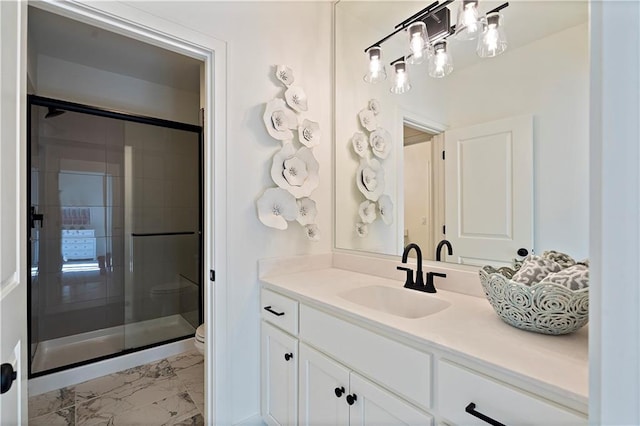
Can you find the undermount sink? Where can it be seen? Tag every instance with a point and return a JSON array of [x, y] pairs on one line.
[[396, 301]]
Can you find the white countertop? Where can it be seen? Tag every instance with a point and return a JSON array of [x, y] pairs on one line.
[[469, 328]]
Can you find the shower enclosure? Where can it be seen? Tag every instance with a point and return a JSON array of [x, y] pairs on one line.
[[115, 227]]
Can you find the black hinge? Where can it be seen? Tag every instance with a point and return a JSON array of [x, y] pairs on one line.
[[444, 229], [212, 275], [443, 155]]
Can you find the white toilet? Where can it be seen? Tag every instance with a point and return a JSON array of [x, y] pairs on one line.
[[198, 340], [168, 295]]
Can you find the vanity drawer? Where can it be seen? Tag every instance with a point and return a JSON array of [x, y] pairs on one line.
[[280, 311], [458, 387], [403, 370]]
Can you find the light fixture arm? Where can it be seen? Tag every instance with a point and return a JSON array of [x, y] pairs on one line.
[[420, 16], [401, 58], [417, 15], [498, 9]]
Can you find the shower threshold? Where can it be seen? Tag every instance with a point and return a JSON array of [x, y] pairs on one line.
[[56, 353]]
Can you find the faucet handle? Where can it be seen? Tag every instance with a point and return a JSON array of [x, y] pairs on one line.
[[409, 281], [429, 287]]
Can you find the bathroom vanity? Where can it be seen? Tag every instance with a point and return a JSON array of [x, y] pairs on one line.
[[340, 346]]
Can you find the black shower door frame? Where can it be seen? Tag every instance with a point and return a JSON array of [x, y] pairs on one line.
[[35, 100]]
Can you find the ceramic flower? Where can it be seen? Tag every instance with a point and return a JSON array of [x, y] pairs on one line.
[[275, 207], [359, 142], [362, 229], [313, 233], [367, 211], [284, 74], [374, 106], [307, 211], [296, 98], [279, 120], [370, 179], [380, 141], [385, 206], [295, 171], [368, 119], [309, 133]]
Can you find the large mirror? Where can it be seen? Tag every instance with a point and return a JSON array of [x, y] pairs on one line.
[[492, 158]]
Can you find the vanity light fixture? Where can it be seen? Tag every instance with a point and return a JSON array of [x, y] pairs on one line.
[[469, 26], [493, 40], [427, 32], [401, 77], [377, 71], [441, 63]]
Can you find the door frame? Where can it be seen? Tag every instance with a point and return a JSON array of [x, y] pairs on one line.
[[134, 23]]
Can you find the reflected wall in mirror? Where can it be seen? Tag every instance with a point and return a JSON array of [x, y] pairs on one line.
[[543, 77]]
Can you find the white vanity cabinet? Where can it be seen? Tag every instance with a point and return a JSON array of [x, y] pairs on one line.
[[325, 366], [331, 394], [279, 359]]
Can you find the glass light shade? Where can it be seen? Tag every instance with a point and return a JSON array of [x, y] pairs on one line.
[[493, 41], [401, 78], [377, 71], [441, 63], [419, 47], [468, 25]]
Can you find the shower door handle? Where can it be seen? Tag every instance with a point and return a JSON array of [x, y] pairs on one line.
[[36, 217]]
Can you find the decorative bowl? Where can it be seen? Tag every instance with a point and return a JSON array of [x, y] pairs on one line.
[[546, 308]]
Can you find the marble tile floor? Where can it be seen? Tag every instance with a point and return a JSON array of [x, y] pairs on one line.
[[165, 392]]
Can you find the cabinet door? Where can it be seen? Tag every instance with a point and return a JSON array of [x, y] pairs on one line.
[[324, 385], [279, 403], [374, 406]]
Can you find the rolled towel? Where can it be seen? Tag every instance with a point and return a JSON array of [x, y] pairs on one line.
[[574, 277], [534, 269]]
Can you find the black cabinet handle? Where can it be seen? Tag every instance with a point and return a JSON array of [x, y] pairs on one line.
[[523, 252], [471, 409], [268, 309], [351, 399], [339, 391], [7, 376], [288, 356]]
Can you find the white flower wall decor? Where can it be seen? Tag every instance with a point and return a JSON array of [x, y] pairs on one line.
[[372, 144], [294, 168]]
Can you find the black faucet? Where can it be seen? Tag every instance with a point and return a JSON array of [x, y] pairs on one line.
[[418, 284], [439, 249]]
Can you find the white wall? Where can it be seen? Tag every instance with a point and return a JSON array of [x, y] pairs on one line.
[[417, 199], [260, 35], [60, 79]]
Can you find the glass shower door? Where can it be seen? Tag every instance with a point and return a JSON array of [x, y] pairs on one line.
[[163, 227], [76, 256]]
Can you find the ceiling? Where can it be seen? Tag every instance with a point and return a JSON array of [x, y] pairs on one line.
[[73, 41], [524, 20]]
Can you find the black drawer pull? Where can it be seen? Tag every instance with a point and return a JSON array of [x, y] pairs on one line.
[[268, 309], [471, 409], [351, 399], [339, 391], [288, 356]]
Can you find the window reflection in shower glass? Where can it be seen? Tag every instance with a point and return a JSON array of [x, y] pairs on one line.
[[115, 262]]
